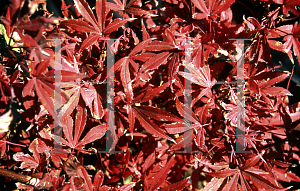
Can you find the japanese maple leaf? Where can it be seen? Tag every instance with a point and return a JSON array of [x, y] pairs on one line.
[[187, 128], [203, 48], [211, 8], [27, 160], [151, 127], [240, 176], [73, 136], [123, 65], [233, 113], [145, 114], [100, 29], [82, 179], [125, 8], [43, 83], [89, 94], [293, 40], [154, 181], [200, 76], [266, 38], [263, 83], [171, 43]]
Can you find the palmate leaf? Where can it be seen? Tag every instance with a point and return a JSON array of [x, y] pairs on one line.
[[158, 114], [89, 95], [43, 83], [85, 10], [125, 8], [200, 76], [291, 34], [145, 113], [153, 182], [81, 171], [72, 137], [149, 126], [262, 83], [211, 8], [176, 186], [123, 65], [244, 174], [181, 140], [101, 31], [80, 26]]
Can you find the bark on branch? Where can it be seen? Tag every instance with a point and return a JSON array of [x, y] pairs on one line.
[[28, 180]]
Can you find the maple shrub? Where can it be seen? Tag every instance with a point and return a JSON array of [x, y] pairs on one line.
[[149, 95]]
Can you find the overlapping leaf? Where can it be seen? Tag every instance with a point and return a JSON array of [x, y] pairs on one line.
[[73, 136], [211, 8], [99, 29]]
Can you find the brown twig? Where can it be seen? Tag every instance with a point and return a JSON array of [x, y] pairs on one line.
[[28, 180]]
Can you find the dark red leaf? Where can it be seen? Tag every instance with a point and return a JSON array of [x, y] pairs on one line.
[[150, 126]]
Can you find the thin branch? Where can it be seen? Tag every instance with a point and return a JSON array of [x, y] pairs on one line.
[[28, 180]]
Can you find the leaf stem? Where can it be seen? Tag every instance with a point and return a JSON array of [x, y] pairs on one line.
[[288, 85]]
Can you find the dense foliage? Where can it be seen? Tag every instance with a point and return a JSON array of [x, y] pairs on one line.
[[158, 48]]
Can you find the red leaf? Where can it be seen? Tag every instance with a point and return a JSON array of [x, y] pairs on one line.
[[181, 140], [88, 182], [251, 162], [176, 186], [95, 133], [101, 14], [78, 25], [126, 81], [274, 80], [92, 99], [173, 68], [150, 126], [224, 173], [260, 182], [90, 40], [127, 187], [80, 121], [150, 94], [215, 183], [277, 91], [131, 118], [46, 99], [85, 10], [213, 8], [74, 94], [68, 131], [186, 112], [148, 162], [155, 61], [159, 177], [28, 87], [159, 46], [145, 32], [113, 26], [174, 128], [98, 180], [200, 76], [158, 114], [139, 47], [232, 184], [27, 160]]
